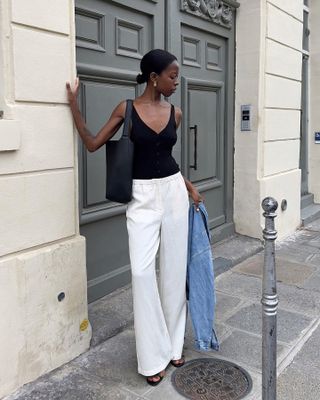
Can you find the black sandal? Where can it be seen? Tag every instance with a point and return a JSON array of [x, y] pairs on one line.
[[154, 383], [180, 364]]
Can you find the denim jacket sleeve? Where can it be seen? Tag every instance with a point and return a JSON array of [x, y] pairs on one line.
[[200, 280]]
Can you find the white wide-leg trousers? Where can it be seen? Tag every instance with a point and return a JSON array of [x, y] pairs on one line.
[[157, 216]]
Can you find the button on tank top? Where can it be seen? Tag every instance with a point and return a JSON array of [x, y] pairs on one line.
[[153, 151]]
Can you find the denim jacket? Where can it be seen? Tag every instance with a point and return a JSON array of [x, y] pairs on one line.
[[200, 280]]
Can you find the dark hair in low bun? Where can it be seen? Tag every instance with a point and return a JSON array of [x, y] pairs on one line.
[[154, 61], [141, 78]]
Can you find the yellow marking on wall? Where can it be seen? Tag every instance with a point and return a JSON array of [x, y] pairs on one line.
[[84, 325]]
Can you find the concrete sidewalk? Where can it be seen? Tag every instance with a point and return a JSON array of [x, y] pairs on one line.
[[108, 369]]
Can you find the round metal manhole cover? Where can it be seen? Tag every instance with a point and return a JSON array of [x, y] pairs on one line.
[[211, 379]]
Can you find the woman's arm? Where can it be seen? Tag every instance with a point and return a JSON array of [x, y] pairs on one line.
[[91, 142], [193, 191]]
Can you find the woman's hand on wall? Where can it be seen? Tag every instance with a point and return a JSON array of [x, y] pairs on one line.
[[94, 142], [73, 94]]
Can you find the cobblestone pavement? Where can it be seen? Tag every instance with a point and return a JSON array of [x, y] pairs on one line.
[[108, 369]]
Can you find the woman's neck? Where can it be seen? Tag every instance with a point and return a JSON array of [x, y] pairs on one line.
[[150, 95]]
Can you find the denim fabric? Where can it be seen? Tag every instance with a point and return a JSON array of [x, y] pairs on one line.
[[200, 280]]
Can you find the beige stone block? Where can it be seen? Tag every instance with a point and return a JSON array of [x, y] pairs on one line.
[[314, 126], [314, 61], [247, 92], [248, 27], [42, 65], [47, 140], [246, 151], [282, 92], [281, 156], [314, 109], [314, 26], [292, 7], [35, 209], [11, 326], [282, 124], [43, 332], [282, 60], [284, 28], [249, 39], [52, 327], [246, 203], [314, 168], [284, 186], [10, 132], [247, 65], [46, 14]]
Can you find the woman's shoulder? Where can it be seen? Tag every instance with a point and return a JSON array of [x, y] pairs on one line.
[[120, 109], [177, 110], [177, 115]]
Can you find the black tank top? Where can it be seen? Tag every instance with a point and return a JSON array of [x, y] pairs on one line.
[[152, 150]]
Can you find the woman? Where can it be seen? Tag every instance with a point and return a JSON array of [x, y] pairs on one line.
[[157, 215]]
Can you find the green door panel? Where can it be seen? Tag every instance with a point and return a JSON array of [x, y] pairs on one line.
[[111, 38]]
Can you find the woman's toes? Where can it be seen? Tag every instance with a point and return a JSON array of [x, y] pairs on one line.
[[179, 361], [155, 378]]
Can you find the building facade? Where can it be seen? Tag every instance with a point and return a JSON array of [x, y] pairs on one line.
[[62, 243]]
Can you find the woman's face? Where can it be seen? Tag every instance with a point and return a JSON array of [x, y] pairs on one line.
[[167, 81]]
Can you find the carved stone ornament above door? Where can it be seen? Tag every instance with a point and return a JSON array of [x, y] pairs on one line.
[[218, 11]]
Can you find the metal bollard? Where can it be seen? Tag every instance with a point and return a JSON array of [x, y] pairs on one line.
[[269, 304]]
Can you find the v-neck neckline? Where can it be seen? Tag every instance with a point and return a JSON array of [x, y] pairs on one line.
[[154, 132]]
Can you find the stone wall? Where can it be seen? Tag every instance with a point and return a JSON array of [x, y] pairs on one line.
[[314, 105], [41, 251], [268, 76]]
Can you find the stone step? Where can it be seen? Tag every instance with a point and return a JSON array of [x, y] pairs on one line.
[[307, 200], [310, 213]]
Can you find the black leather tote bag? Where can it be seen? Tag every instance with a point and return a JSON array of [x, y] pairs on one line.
[[119, 160]]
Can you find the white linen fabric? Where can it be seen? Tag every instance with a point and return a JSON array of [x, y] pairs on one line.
[[157, 218]]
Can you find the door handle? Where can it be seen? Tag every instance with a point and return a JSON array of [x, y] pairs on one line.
[[195, 154]]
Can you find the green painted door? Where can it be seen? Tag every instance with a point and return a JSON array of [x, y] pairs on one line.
[[203, 38], [111, 37]]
